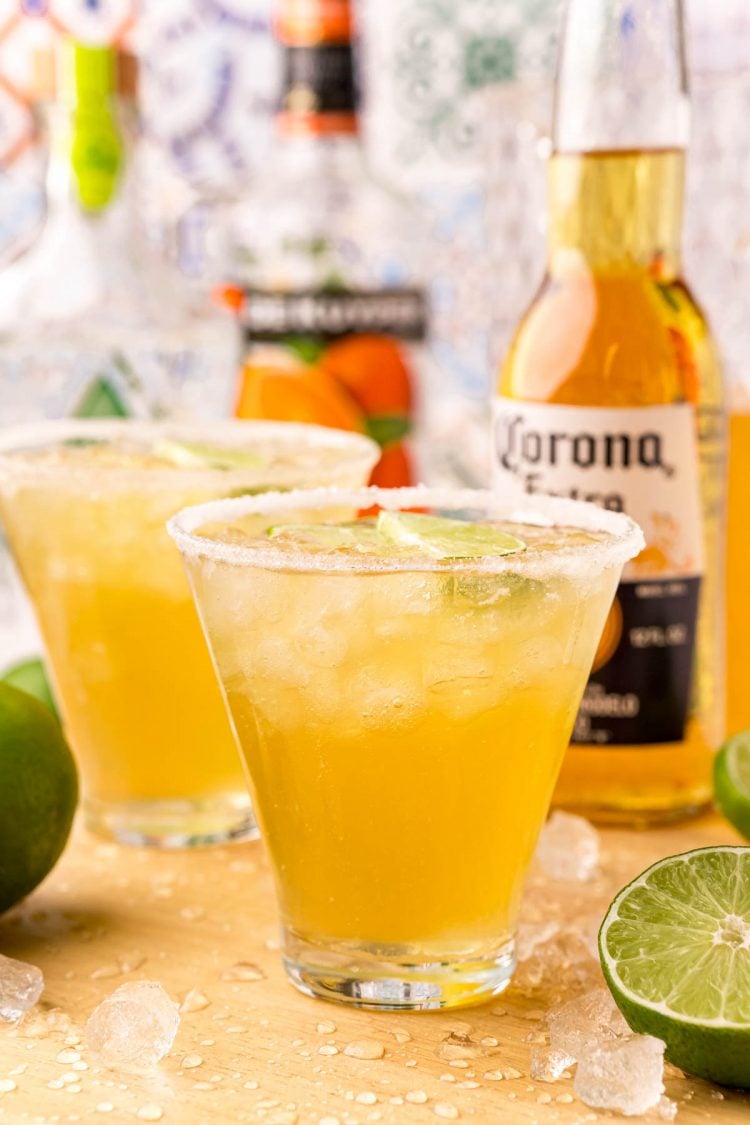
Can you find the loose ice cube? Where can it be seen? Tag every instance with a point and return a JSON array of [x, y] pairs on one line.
[[568, 848], [531, 935], [548, 1064], [21, 986], [627, 1075], [586, 1023], [134, 1027]]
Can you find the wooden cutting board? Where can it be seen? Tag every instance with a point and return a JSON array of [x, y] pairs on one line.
[[254, 1049]]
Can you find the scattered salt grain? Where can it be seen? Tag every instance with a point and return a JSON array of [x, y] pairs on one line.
[[446, 1110], [194, 1001], [243, 971], [150, 1113], [365, 1049]]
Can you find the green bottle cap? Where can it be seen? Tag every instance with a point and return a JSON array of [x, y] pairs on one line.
[[84, 75], [96, 156], [94, 71]]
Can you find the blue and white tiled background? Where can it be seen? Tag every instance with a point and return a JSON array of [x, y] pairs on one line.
[[458, 101]]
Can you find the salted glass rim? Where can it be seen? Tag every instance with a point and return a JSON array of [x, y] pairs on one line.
[[624, 541], [357, 451]]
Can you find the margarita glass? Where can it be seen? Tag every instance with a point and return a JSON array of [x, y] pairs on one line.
[[402, 716], [84, 505]]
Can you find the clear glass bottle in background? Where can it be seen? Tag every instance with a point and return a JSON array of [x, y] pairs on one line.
[[611, 391], [332, 321], [90, 323]]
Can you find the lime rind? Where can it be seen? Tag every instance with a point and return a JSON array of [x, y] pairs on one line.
[[738, 761], [683, 975], [732, 782], [395, 533], [444, 538], [355, 536], [200, 455]]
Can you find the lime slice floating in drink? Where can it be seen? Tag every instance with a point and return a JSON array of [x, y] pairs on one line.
[[675, 949], [358, 535], [199, 455], [732, 782], [393, 532], [444, 538]]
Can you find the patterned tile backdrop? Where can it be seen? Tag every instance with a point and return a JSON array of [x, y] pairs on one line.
[[457, 98]]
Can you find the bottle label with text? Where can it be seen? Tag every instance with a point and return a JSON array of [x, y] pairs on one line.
[[642, 461]]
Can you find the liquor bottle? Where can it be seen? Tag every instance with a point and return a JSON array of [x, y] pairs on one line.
[[738, 561], [91, 322], [611, 392], [332, 324]]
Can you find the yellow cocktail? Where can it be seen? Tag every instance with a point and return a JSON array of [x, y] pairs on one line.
[[738, 565], [84, 505], [403, 717]]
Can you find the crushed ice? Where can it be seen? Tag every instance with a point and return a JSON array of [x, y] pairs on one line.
[[568, 848], [134, 1027], [21, 986], [616, 1069]]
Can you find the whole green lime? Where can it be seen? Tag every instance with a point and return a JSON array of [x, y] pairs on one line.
[[30, 676], [38, 793], [732, 781]]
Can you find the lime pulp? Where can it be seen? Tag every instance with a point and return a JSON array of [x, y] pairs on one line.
[[199, 455], [444, 538], [434, 536]]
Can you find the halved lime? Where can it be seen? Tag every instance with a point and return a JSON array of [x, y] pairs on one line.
[[358, 535], [198, 455], [675, 950], [444, 538], [732, 781]]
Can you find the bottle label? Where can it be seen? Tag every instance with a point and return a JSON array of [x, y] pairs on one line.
[[319, 79], [328, 314], [642, 461], [339, 359]]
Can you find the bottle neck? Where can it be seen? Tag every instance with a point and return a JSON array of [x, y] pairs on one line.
[[620, 131], [621, 77], [616, 211], [319, 87], [86, 154]]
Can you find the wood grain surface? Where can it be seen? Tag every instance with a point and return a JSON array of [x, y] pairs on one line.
[[255, 1050]]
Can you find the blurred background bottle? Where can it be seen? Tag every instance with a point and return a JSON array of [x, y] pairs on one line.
[[332, 318], [611, 392], [91, 322]]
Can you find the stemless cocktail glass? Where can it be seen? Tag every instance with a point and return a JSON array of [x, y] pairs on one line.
[[84, 505], [402, 717]]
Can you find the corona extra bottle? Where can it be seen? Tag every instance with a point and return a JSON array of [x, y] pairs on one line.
[[611, 392]]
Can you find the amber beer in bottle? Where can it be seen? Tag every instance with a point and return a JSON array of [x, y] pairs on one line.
[[611, 392]]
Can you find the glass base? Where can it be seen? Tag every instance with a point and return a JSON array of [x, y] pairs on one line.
[[370, 978], [635, 816], [173, 824]]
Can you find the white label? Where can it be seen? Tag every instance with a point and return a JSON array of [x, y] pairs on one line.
[[641, 460]]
